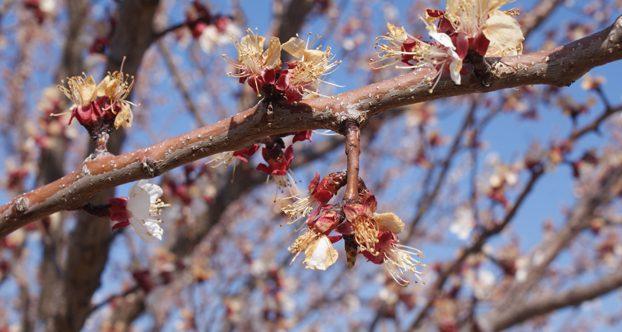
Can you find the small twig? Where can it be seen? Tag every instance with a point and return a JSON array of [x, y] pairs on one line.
[[353, 151], [111, 298], [177, 77], [428, 198], [603, 97], [158, 35]]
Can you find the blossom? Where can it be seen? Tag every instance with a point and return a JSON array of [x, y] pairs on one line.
[[255, 65], [478, 25], [141, 210], [455, 64], [396, 259], [361, 223], [389, 222], [99, 106], [301, 136], [277, 163], [398, 46], [320, 192], [117, 87], [246, 153], [503, 177], [482, 282], [325, 219], [318, 250], [221, 32], [41, 9], [463, 223], [592, 82], [302, 76]]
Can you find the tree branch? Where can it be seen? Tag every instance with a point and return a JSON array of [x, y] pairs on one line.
[[513, 310], [560, 66], [544, 305], [179, 82]]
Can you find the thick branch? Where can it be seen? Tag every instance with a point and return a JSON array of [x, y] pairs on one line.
[[560, 66], [544, 305], [179, 82]]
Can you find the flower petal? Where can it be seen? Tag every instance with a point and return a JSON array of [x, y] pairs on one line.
[[138, 202], [142, 195], [154, 229], [504, 33], [295, 46], [443, 39], [454, 69], [147, 229], [272, 55], [124, 117], [389, 222], [320, 254]]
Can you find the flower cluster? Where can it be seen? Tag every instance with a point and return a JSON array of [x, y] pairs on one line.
[[211, 30], [365, 232], [41, 9], [276, 155], [398, 46], [99, 107], [320, 193], [141, 210], [53, 127], [503, 177], [261, 68], [466, 27], [479, 26]]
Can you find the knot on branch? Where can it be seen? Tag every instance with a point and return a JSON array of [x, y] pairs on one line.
[[21, 204], [150, 168], [615, 35]]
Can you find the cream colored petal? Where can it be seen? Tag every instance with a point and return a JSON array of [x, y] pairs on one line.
[[295, 46], [124, 117], [88, 91], [314, 55], [320, 254], [250, 45], [454, 70], [504, 33], [252, 40], [272, 55], [103, 86], [389, 222], [443, 39]]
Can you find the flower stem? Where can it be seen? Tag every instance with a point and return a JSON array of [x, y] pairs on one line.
[[353, 151], [101, 143]]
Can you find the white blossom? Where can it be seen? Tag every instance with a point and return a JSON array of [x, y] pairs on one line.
[[144, 206]]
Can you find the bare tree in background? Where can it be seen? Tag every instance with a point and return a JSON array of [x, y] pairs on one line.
[[238, 165]]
